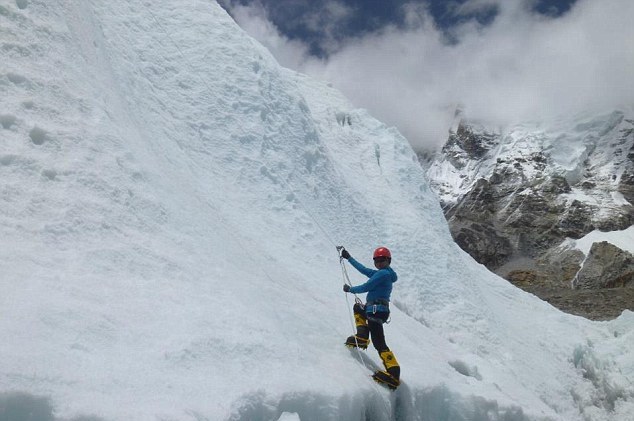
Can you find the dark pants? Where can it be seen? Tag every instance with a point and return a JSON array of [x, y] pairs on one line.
[[375, 325]]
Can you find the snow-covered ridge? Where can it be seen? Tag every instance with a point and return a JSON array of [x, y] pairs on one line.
[[622, 239], [169, 207], [584, 149], [512, 195]]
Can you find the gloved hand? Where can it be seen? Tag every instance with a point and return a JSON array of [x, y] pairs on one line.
[[345, 254], [346, 288]]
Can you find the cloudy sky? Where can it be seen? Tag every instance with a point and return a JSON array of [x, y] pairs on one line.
[[411, 63]]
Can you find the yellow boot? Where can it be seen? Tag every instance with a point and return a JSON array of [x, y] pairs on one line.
[[392, 372], [361, 339]]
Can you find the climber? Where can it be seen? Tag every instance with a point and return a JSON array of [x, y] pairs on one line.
[[369, 318]]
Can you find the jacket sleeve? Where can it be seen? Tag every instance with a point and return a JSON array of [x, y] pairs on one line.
[[364, 270], [374, 280]]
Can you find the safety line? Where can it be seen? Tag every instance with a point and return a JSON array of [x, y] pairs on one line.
[[323, 230]]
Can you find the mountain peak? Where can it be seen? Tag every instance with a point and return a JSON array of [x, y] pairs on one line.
[[512, 196]]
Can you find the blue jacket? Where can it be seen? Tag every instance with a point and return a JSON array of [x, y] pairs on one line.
[[379, 286]]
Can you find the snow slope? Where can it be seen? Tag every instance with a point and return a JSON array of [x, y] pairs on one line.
[[170, 203], [622, 239]]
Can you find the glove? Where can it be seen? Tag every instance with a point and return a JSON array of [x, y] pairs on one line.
[[346, 288], [345, 254]]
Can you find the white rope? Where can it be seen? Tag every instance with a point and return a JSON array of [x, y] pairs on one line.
[[346, 280], [301, 203], [286, 184]]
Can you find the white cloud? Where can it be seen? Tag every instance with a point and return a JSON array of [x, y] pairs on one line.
[[254, 20], [331, 14], [522, 66]]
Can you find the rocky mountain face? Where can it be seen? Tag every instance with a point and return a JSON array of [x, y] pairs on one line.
[[606, 266], [513, 196]]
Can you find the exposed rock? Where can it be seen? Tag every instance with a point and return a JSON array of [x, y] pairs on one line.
[[523, 278], [512, 198], [599, 304], [521, 193], [619, 222], [474, 145], [557, 185], [483, 244], [559, 266], [606, 266], [478, 205], [576, 221], [626, 184]]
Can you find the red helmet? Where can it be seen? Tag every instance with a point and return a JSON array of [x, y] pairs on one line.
[[382, 252]]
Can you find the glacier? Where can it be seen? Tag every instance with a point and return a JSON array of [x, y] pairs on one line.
[[170, 204]]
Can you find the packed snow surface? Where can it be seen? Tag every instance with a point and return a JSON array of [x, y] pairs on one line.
[[170, 203], [622, 239]]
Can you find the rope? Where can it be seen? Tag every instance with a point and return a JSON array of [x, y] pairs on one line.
[[346, 280], [322, 229], [166, 33]]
